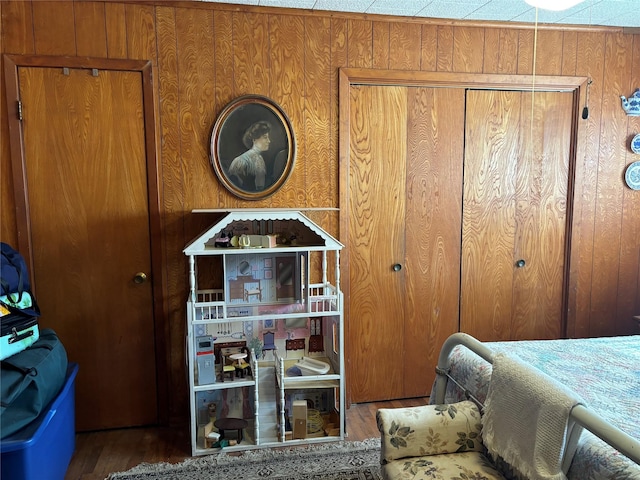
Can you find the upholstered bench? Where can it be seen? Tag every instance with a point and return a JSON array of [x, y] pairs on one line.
[[434, 441]]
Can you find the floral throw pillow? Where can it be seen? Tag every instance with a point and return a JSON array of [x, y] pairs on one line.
[[429, 430]]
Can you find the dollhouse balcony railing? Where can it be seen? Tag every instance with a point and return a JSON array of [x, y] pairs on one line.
[[210, 305], [323, 298]]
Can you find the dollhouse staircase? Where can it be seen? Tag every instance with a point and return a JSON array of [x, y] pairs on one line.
[[268, 404]]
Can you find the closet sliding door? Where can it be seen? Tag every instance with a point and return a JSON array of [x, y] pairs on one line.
[[516, 177], [405, 189]]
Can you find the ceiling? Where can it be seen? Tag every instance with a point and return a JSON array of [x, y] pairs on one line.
[[619, 13]]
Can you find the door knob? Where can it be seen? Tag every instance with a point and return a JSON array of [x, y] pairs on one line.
[[140, 277], [397, 267], [520, 263]]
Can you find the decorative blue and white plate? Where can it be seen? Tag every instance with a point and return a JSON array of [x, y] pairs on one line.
[[632, 176], [635, 144]]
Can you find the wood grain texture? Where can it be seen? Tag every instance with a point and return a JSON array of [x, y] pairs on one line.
[[542, 183], [317, 113], [376, 241], [491, 50], [569, 53], [168, 110], [526, 42], [17, 27], [54, 28], [8, 226], [287, 55], [515, 208], [404, 40], [196, 76], [224, 90], [196, 80], [508, 59], [429, 48], [590, 61], [629, 275], [359, 41], [549, 41], [106, 181], [432, 228], [609, 194], [468, 50], [251, 62], [91, 35], [116, 30], [223, 45], [444, 61], [489, 207], [141, 32], [338, 59], [381, 45], [421, 233], [173, 194]]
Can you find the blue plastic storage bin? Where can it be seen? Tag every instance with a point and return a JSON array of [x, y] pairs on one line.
[[43, 449]]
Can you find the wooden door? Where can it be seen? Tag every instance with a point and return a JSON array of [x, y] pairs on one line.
[[515, 214], [404, 212], [84, 148]]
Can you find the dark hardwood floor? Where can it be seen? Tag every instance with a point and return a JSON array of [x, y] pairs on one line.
[[100, 453]]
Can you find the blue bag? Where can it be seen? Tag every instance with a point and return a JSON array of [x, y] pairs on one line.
[[19, 311], [17, 333], [14, 281], [13, 274], [30, 380]]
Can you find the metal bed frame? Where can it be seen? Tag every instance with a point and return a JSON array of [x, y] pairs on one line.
[[581, 415]]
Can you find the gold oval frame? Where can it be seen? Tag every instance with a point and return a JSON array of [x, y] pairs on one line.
[[226, 144]]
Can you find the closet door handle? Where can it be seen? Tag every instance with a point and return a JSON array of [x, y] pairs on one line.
[[520, 263], [139, 278], [397, 267]]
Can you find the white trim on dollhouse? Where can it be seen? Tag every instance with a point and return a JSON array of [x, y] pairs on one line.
[[204, 244]]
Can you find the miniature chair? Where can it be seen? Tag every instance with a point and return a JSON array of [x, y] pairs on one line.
[[227, 367], [268, 342], [253, 292], [242, 366], [418, 439]]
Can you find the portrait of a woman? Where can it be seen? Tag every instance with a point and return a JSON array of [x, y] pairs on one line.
[[249, 169], [253, 148]]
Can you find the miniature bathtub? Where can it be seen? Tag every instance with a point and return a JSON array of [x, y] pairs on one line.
[[310, 366]]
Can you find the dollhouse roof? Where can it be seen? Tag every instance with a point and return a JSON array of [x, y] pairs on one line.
[[309, 235]]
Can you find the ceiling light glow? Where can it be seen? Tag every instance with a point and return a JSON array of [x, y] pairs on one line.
[[554, 5]]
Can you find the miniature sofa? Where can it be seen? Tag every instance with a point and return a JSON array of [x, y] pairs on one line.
[[434, 441]]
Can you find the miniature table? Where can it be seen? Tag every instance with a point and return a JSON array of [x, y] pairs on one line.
[[240, 365], [231, 423], [238, 357]]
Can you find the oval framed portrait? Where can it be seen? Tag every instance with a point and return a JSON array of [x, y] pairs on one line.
[[253, 148]]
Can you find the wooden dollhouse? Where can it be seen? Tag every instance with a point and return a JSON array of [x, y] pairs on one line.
[[265, 351]]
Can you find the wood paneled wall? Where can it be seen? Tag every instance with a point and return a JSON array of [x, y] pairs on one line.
[[204, 55]]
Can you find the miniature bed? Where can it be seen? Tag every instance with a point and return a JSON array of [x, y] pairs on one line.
[[605, 372]]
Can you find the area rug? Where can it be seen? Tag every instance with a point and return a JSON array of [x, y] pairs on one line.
[[326, 461]]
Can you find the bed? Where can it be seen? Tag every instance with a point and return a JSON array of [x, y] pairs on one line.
[[605, 372]]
